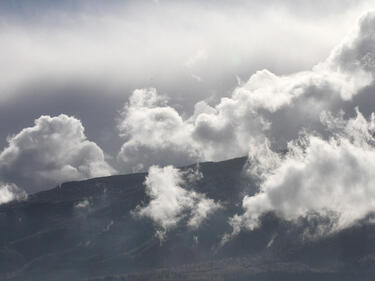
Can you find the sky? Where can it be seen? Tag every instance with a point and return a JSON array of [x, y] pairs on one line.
[[95, 88]]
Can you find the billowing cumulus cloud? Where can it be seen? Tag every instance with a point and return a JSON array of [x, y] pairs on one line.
[[155, 133], [171, 200], [266, 106], [54, 150], [331, 178], [357, 53], [11, 192]]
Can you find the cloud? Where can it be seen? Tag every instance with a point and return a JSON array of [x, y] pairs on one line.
[[357, 53], [261, 160], [82, 204], [155, 133], [331, 179], [54, 150], [266, 106], [63, 39], [171, 202], [11, 192], [70, 71]]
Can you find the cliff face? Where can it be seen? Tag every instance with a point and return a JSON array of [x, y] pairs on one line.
[[85, 230]]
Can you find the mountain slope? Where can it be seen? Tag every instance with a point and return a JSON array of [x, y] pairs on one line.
[[84, 230]]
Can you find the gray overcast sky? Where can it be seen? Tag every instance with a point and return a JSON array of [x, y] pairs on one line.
[[85, 58]]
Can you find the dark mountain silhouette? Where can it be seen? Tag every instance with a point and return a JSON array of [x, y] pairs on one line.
[[47, 237]]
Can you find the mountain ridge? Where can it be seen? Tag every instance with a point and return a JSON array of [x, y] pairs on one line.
[[50, 236]]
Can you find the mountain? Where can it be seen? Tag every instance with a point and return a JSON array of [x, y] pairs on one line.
[[85, 230]]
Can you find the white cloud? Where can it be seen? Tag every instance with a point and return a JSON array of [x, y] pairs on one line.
[[54, 150], [332, 178], [199, 56], [11, 192], [155, 133], [357, 51], [267, 105], [202, 209], [82, 204], [170, 202], [261, 160]]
